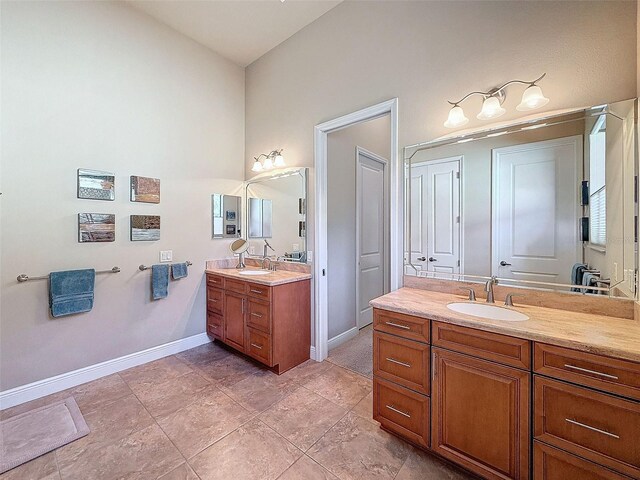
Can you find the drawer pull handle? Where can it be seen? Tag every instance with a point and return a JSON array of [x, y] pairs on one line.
[[393, 409], [259, 347], [214, 301], [586, 370], [398, 362], [256, 291], [593, 429], [397, 325], [256, 315]]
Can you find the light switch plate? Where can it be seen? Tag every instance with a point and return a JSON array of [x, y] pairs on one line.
[[296, 247], [166, 255], [309, 255]]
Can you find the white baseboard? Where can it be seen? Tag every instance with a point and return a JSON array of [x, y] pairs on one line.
[[343, 337], [41, 388], [312, 353]]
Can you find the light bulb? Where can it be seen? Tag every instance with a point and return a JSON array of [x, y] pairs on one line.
[[532, 98], [268, 163], [279, 161], [257, 166], [456, 118], [491, 109]]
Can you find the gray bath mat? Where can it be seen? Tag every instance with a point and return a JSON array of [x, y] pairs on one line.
[[36, 432], [356, 354]]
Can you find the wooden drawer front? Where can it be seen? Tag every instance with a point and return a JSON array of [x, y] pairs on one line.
[[498, 348], [259, 345], [402, 361], [406, 326], [259, 315], [599, 427], [553, 464], [215, 281], [234, 285], [215, 300], [402, 411], [215, 326], [259, 291], [621, 377]]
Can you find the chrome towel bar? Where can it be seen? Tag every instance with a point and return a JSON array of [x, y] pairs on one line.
[[25, 278], [142, 268]]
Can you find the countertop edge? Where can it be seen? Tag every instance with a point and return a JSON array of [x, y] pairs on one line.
[[295, 277]]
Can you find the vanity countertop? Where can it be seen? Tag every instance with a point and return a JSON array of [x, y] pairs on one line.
[[279, 277], [610, 336]]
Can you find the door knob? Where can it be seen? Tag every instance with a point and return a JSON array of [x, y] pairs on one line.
[[504, 264], [421, 259], [431, 259]]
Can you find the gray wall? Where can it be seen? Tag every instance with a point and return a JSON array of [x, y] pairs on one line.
[[374, 136], [99, 85]]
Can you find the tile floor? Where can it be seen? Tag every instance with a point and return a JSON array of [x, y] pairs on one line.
[[208, 413]]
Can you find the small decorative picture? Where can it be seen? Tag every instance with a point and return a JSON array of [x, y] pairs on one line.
[[145, 189], [145, 228], [96, 227], [231, 215], [96, 185]]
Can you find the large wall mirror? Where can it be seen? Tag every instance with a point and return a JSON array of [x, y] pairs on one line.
[[276, 212], [545, 203]]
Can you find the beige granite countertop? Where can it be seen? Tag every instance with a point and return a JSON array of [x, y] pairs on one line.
[[615, 337], [279, 277]]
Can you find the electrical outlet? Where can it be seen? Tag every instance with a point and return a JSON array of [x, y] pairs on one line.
[[252, 250], [309, 255], [166, 255], [296, 247]]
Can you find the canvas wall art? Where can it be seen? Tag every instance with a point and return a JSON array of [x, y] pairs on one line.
[[96, 185], [145, 189], [145, 228], [96, 227]]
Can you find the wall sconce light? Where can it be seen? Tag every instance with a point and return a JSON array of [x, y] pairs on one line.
[[532, 98], [273, 159]]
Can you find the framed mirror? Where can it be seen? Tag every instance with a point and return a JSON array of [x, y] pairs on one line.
[[544, 203], [225, 216]]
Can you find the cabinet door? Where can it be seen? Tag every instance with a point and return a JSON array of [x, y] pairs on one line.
[[480, 415], [234, 309]]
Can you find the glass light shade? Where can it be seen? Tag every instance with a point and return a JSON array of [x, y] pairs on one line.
[[257, 166], [279, 161], [532, 98], [491, 108], [456, 118], [268, 163]]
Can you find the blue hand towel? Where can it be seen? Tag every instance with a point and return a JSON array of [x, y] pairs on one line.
[[71, 291], [179, 270], [160, 281], [576, 275], [589, 279]]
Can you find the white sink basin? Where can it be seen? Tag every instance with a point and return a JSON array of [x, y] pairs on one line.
[[491, 312], [251, 273]]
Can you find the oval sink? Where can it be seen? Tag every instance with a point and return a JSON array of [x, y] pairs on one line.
[[490, 312], [254, 272]]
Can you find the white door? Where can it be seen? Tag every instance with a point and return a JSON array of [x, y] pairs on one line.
[[435, 215], [535, 210], [371, 225]]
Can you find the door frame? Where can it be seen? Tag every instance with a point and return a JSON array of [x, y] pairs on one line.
[[460, 160], [385, 243], [396, 212]]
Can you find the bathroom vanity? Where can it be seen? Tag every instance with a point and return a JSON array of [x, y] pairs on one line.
[[261, 313], [555, 397]]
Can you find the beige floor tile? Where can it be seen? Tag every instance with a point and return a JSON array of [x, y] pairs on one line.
[[146, 454], [154, 373], [364, 408], [204, 354], [303, 417], [422, 466], [207, 420], [307, 469], [183, 472], [258, 392], [228, 370], [341, 386], [306, 371], [41, 468], [253, 452], [167, 397], [356, 448], [93, 395], [108, 425]]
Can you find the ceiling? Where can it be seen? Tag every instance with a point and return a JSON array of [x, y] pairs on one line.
[[240, 30]]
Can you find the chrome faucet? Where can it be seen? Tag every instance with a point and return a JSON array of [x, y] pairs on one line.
[[265, 256], [488, 287]]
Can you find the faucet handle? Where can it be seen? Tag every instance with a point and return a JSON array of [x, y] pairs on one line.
[[508, 301], [472, 293]]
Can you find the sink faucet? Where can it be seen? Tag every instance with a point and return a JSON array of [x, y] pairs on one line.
[[265, 256], [488, 287]]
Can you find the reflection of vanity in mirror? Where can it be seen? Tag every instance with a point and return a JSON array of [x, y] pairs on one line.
[[546, 203]]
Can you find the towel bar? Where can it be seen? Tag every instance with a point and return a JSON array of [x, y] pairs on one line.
[[142, 268], [24, 277]]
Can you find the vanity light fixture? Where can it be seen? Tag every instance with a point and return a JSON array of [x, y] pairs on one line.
[[273, 159], [532, 98]]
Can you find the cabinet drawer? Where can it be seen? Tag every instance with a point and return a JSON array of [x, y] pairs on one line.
[[406, 326], [596, 426], [215, 300], [259, 291], [511, 351], [234, 285], [215, 281], [259, 315], [259, 346], [621, 377], [215, 326], [402, 361], [402, 411], [553, 464]]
